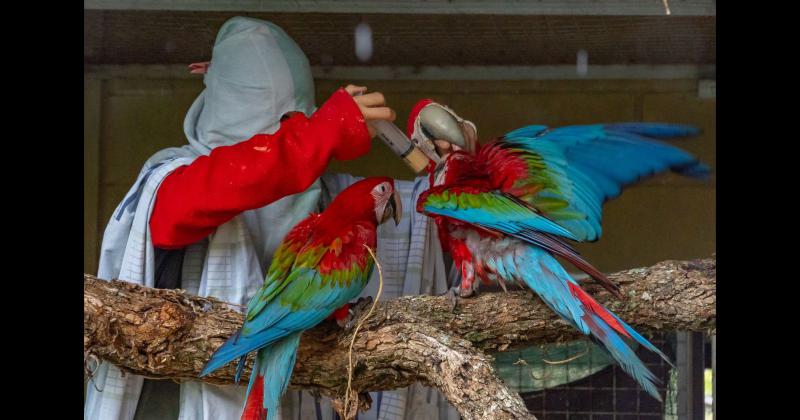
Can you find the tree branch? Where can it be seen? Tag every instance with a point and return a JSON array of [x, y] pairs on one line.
[[170, 334]]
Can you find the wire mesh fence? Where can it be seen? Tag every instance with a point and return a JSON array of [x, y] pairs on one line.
[[576, 381]]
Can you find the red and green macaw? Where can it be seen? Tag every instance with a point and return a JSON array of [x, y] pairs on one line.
[[321, 265], [506, 209]]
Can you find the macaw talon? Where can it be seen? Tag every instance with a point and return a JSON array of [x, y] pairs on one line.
[[471, 292], [362, 303], [356, 309], [452, 297], [502, 283]]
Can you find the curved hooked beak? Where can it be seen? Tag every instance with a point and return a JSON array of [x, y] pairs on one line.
[[393, 209], [437, 123]]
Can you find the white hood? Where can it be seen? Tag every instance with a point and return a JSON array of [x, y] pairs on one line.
[[257, 74]]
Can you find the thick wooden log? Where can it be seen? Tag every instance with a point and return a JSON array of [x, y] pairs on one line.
[[169, 334]]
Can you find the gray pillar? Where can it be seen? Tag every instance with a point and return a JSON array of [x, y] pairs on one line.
[[691, 404]]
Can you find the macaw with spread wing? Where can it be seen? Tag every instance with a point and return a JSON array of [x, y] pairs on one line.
[[505, 209], [321, 265]]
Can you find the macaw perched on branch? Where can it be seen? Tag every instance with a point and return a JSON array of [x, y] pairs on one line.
[[505, 209], [321, 265]]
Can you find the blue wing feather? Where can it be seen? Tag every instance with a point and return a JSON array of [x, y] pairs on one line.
[[277, 320], [592, 163], [655, 130], [527, 131]]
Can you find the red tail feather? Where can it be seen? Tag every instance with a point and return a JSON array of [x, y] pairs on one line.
[[254, 408], [592, 305]]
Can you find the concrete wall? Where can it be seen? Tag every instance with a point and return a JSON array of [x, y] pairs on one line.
[[127, 119]]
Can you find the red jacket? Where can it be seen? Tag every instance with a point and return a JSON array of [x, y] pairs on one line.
[[194, 199]]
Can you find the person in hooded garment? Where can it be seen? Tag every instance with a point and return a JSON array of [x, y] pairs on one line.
[[207, 217]]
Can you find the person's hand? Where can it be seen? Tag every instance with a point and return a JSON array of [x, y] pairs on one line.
[[372, 105]]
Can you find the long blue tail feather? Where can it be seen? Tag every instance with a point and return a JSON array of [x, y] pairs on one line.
[[277, 365], [545, 276], [619, 350], [239, 369], [273, 366], [239, 346]]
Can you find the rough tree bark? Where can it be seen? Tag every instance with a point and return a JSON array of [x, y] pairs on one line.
[[169, 334]]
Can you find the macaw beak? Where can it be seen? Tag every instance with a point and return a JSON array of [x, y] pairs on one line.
[[397, 203], [393, 209], [433, 126], [436, 123]]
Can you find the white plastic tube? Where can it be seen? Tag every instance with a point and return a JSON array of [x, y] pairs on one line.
[[397, 141]]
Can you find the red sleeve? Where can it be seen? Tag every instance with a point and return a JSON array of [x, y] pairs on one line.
[[194, 199]]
